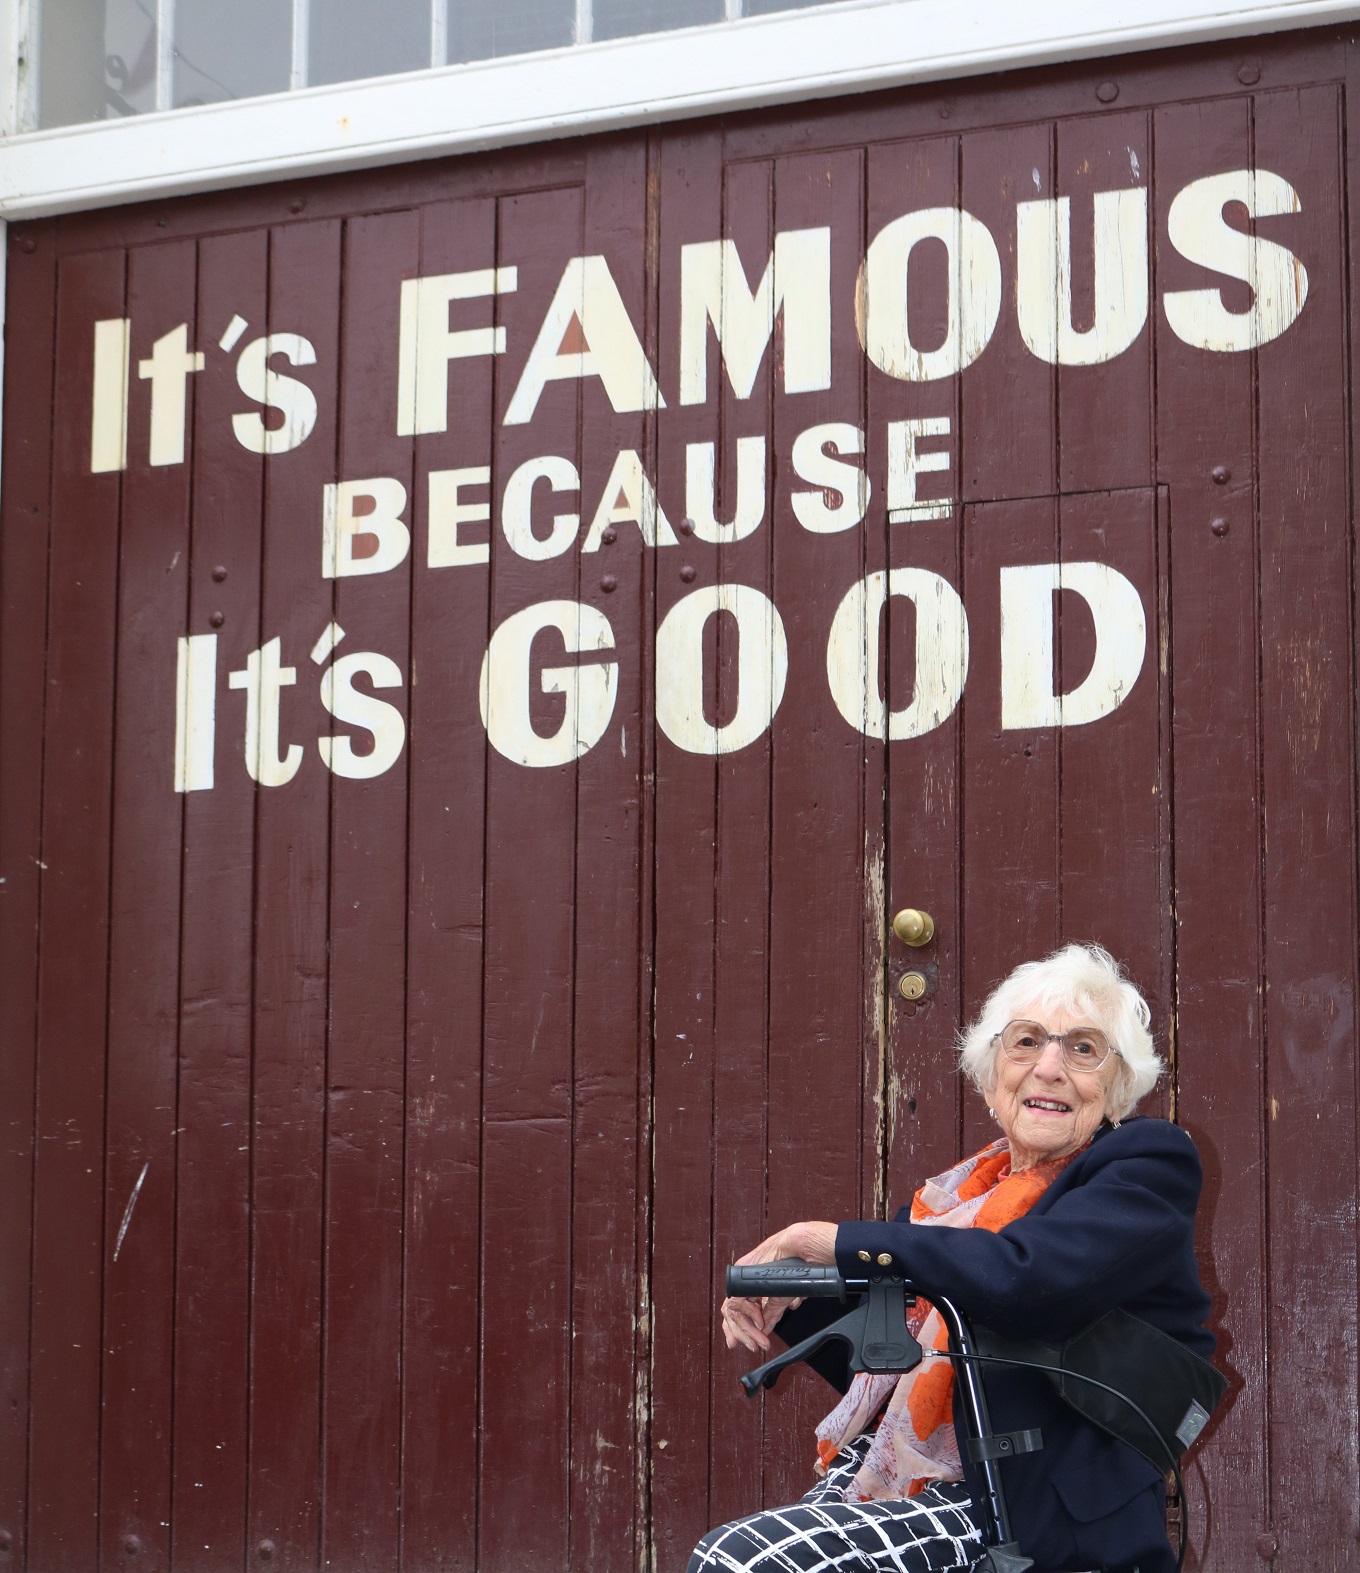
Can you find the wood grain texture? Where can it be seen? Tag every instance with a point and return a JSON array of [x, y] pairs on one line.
[[1205, 422], [67, 1279], [141, 1165], [680, 1287], [292, 878], [212, 1233], [528, 1084], [366, 1050], [25, 515], [445, 947]]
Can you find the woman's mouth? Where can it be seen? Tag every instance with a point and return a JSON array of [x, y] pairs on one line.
[[1048, 1106]]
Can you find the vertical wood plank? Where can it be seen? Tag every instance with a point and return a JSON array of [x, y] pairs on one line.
[[1308, 759], [144, 949], [528, 980], [1105, 411], [821, 847], [1008, 397], [292, 868], [212, 1291], [1114, 806], [1011, 897], [68, 1173], [1205, 422], [24, 533], [917, 1094], [365, 1075], [448, 746], [607, 1026], [681, 1290]]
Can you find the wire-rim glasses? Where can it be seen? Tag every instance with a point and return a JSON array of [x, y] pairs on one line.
[[1083, 1048]]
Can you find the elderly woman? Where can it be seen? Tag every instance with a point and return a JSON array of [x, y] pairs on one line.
[[1075, 1210]]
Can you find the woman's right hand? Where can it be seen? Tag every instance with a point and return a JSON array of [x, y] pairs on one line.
[[748, 1322]]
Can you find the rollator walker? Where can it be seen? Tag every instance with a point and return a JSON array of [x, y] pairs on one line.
[[1179, 1390]]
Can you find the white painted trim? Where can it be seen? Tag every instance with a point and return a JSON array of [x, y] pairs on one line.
[[165, 53], [18, 65], [300, 45], [852, 46]]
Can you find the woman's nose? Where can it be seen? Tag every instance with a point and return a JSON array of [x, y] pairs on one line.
[[1050, 1064]]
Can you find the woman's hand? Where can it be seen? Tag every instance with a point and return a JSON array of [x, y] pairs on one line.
[[748, 1322]]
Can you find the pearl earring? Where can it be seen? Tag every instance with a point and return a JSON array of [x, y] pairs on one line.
[[992, 1112]]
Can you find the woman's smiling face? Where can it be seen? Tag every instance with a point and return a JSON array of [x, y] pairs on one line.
[[1045, 1110]]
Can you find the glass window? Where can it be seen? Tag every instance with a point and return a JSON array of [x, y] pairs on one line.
[[627, 18], [768, 7], [349, 39], [478, 31], [231, 51], [97, 60], [100, 59]]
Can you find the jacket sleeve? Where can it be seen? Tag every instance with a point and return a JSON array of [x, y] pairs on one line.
[[1103, 1243]]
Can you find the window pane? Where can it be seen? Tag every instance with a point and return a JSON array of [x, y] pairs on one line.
[[765, 7], [98, 59], [477, 31], [350, 39], [231, 51], [624, 18]]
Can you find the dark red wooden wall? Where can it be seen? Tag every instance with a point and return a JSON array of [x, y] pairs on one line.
[[372, 1147]]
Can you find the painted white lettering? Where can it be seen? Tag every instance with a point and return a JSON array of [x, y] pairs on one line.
[[108, 419], [448, 513], [293, 399], [517, 508], [587, 333], [941, 654], [342, 527], [700, 487], [906, 463], [350, 707], [630, 498], [1043, 277], [426, 344], [195, 712], [882, 310], [589, 688], [1027, 617], [169, 369], [841, 497], [762, 669], [1279, 281], [262, 678], [713, 288]]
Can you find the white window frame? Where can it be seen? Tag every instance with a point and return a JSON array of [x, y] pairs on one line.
[[852, 46]]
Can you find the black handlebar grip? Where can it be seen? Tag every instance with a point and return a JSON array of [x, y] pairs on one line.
[[786, 1280]]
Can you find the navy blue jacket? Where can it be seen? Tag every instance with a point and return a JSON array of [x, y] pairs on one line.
[[1116, 1228]]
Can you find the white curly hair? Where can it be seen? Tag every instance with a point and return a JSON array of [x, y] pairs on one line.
[[1086, 981]]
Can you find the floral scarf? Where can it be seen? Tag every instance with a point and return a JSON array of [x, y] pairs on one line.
[[915, 1442]]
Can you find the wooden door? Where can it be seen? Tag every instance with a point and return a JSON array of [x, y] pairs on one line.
[[385, 1089]]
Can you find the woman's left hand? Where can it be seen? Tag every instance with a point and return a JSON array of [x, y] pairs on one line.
[[748, 1322]]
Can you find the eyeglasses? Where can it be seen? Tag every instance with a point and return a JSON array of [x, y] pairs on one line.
[[1083, 1048]]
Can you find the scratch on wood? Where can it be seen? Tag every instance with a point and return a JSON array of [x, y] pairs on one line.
[[127, 1211]]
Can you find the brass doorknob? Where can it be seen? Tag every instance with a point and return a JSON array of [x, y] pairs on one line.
[[913, 927]]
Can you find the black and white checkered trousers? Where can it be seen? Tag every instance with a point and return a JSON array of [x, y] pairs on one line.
[[937, 1531]]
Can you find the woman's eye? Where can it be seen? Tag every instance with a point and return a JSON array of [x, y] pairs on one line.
[[1084, 1050]]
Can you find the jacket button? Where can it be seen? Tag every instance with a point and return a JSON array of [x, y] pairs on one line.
[[884, 1259], [864, 1256]]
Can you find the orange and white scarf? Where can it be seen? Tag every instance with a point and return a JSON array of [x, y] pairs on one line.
[[915, 1442]]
